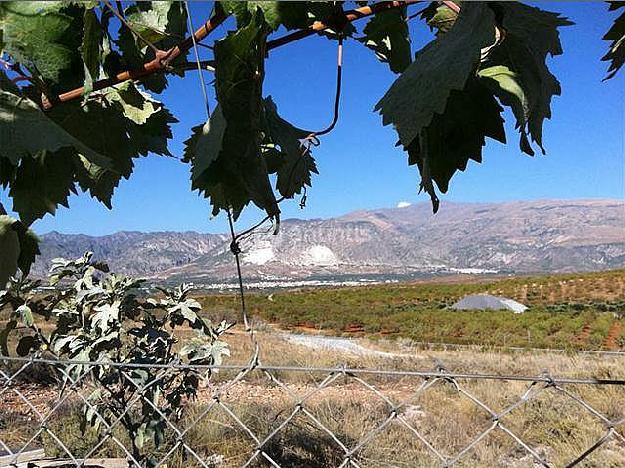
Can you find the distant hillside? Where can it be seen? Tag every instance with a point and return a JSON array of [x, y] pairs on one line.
[[538, 236], [135, 253]]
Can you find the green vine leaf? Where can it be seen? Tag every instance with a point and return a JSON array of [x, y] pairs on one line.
[[136, 105], [40, 35], [203, 147], [440, 67], [440, 17], [454, 137], [239, 77], [157, 21], [7, 172], [29, 248], [293, 163], [388, 36], [90, 49], [291, 15], [245, 12], [163, 23], [330, 13], [530, 35], [42, 181], [122, 124], [616, 34], [210, 174], [30, 130], [505, 84]]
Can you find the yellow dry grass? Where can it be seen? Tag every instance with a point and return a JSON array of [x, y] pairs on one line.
[[553, 424]]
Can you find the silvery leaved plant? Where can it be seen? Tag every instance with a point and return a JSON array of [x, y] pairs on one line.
[[142, 345]]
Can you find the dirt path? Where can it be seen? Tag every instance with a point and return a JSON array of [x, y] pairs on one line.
[[335, 343]]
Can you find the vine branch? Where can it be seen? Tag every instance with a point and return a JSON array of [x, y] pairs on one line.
[[163, 59], [158, 64]]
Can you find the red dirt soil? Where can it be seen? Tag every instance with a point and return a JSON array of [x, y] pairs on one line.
[[611, 341]]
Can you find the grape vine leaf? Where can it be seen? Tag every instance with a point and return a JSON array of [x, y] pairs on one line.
[[203, 147], [210, 174], [40, 35], [331, 14], [136, 105], [239, 76], [153, 135], [530, 35], [292, 15], [7, 170], [245, 11], [162, 23], [505, 84], [110, 59], [30, 130], [42, 181], [122, 124], [293, 163], [97, 181], [90, 49], [388, 36], [157, 20], [439, 17], [443, 65], [616, 34], [457, 135]]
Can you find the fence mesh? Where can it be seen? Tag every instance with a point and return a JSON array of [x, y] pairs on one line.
[[257, 415]]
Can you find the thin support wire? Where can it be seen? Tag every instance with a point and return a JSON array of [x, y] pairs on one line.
[[197, 61]]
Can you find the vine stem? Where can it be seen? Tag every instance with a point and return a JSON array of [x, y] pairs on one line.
[[163, 59], [160, 63], [349, 17]]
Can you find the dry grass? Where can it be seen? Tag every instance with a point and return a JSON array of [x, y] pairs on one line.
[[553, 424]]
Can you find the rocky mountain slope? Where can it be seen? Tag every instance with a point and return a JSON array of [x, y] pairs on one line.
[[537, 236]]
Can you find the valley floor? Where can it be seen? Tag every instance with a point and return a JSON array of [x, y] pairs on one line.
[[570, 312], [367, 389]]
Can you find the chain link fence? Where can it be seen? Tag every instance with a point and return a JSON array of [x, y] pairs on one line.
[[255, 415]]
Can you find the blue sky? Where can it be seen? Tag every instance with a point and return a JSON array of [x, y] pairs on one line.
[[358, 163]]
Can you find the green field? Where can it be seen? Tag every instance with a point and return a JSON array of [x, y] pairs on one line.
[[577, 311]]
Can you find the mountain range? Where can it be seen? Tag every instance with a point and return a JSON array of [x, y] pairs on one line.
[[515, 237]]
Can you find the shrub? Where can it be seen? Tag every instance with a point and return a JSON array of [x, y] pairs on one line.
[[100, 317]]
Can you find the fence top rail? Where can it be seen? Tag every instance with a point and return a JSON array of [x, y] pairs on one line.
[[440, 373]]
